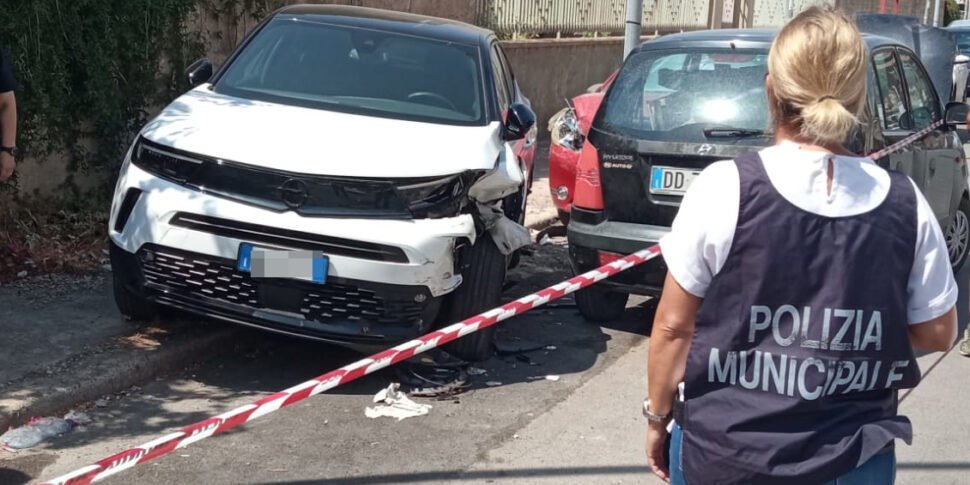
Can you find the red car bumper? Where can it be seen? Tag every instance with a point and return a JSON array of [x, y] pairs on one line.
[[562, 175], [563, 161]]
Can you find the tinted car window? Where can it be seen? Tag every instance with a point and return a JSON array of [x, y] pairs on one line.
[[501, 82], [922, 95], [892, 104], [359, 71], [963, 41], [678, 93]]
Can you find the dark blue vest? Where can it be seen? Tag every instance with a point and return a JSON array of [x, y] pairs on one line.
[[801, 342]]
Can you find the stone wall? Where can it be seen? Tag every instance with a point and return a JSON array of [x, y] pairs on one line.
[[551, 71]]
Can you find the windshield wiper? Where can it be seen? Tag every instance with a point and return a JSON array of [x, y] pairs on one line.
[[728, 131]]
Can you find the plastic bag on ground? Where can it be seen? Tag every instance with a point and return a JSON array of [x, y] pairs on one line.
[[20, 438], [40, 428]]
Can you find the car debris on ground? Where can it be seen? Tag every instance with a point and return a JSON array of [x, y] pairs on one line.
[[437, 375], [475, 371], [437, 382]]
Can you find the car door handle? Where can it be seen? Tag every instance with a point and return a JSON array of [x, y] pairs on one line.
[[932, 166]]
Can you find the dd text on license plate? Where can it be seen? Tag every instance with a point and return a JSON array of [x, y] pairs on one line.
[[671, 181]]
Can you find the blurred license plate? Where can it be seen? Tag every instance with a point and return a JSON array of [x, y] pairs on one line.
[[671, 181], [270, 263]]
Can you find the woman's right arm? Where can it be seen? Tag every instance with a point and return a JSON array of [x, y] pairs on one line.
[[936, 335], [931, 309]]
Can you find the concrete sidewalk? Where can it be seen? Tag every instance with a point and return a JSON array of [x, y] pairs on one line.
[[65, 343], [940, 411]]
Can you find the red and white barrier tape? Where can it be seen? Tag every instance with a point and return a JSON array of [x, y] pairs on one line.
[[203, 429], [905, 141]]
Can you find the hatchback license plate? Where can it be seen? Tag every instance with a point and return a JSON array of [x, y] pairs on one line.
[[671, 181], [270, 263]]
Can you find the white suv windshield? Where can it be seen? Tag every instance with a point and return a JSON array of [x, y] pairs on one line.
[[677, 94], [359, 71]]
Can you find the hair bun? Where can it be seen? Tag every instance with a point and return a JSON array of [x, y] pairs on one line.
[[827, 120]]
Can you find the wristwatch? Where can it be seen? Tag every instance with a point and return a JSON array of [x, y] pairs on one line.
[[656, 418], [13, 151]]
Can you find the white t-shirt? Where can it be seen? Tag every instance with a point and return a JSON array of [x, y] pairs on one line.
[[699, 241]]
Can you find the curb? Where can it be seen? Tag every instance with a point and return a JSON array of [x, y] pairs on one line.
[[115, 371]]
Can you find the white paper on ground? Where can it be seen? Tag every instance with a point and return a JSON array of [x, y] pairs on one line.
[[395, 404]]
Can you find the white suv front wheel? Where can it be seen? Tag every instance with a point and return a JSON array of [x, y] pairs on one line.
[[483, 276]]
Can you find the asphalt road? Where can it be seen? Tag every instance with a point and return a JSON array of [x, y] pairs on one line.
[[328, 439]]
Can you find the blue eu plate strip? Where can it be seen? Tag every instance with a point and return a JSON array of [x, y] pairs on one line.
[[320, 269], [245, 257], [656, 178]]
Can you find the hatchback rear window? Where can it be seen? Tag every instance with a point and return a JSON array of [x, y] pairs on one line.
[[963, 41], [322, 66], [677, 94]]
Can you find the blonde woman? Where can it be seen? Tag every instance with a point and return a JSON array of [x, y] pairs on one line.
[[800, 280]]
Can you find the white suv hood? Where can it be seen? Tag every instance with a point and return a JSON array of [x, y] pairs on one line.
[[320, 142]]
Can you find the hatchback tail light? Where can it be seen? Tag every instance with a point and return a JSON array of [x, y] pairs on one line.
[[589, 190]]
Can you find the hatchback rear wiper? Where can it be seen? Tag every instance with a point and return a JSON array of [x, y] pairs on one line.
[[728, 131]]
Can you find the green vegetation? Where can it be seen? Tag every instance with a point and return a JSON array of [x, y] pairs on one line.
[[89, 71], [951, 12]]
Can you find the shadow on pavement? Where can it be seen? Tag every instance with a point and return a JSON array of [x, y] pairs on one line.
[[448, 475], [18, 470], [10, 476], [475, 475], [262, 363]]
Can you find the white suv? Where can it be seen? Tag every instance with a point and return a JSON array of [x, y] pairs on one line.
[[346, 176]]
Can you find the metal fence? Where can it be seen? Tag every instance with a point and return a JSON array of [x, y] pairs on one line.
[[776, 13], [568, 17], [544, 17]]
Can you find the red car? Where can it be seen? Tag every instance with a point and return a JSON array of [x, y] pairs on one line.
[[568, 129]]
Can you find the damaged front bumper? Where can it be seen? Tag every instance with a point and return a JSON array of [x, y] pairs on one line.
[[177, 245], [151, 210]]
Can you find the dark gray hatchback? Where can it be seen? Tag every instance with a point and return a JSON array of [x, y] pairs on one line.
[[684, 101]]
